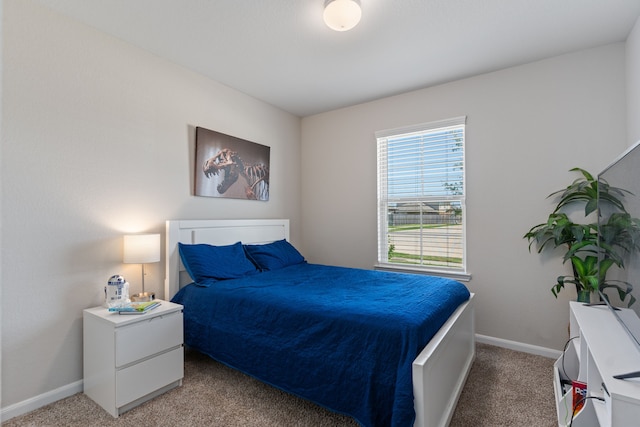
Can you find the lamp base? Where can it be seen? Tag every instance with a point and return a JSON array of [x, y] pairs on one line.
[[143, 297]]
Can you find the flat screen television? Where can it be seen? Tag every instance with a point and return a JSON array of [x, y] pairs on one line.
[[624, 174]]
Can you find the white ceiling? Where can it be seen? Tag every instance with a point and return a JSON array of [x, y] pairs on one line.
[[281, 52]]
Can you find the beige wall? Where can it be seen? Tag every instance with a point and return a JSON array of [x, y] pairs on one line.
[[98, 141], [526, 127], [633, 84]]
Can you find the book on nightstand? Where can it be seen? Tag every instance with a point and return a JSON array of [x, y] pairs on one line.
[[136, 307]]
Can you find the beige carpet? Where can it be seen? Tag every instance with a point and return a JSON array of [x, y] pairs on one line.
[[505, 388]]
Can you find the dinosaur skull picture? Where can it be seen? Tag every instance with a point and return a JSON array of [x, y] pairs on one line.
[[231, 167]]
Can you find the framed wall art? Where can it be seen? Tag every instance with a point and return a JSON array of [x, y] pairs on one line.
[[230, 167]]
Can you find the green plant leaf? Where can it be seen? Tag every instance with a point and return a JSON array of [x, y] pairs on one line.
[[591, 250]]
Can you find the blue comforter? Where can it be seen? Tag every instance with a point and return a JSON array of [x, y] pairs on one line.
[[343, 338]]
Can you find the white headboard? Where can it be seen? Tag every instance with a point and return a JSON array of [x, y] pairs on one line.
[[214, 232]]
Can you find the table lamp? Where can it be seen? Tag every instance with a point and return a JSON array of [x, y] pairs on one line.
[[141, 249]]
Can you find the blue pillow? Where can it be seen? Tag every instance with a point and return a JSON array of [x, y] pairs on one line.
[[207, 264], [273, 256]]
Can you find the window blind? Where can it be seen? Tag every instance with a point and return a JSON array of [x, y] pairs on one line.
[[421, 194]]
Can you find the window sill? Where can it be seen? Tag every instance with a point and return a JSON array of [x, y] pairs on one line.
[[461, 276]]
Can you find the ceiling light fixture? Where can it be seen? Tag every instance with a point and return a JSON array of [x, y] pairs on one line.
[[342, 15]]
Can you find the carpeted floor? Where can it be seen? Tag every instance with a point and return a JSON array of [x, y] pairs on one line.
[[505, 388]]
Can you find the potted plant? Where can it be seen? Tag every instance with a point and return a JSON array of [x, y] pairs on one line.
[[590, 252]]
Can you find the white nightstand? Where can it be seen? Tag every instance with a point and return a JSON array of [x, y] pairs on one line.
[[129, 359]]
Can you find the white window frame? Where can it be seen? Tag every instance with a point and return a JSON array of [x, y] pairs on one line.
[[383, 200]]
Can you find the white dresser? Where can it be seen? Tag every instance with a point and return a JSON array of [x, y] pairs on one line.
[[129, 359]]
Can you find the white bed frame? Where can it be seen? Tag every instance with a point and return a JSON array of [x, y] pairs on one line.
[[439, 371]]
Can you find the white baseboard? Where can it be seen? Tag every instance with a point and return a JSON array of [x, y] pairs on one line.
[[519, 346], [44, 399]]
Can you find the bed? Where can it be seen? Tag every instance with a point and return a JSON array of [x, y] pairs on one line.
[[286, 327]]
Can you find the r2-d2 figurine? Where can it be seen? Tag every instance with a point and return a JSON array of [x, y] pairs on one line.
[[116, 293]]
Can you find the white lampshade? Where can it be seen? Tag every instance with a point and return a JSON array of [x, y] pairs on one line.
[[141, 248], [342, 15]]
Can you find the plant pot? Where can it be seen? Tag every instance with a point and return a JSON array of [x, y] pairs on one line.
[[584, 296]]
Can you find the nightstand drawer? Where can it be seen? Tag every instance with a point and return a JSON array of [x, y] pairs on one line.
[[147, 337], [145, 377]]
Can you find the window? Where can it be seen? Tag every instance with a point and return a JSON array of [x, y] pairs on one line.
[[421, 197]]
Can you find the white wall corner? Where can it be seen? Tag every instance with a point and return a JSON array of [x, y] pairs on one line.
[[633, 83]]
